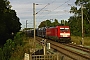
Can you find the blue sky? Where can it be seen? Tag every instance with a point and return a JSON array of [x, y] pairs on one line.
[[55, 9]]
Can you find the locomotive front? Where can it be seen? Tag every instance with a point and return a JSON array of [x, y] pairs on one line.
[[64, 34]]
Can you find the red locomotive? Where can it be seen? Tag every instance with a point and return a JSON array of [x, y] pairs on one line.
[[58, 33]]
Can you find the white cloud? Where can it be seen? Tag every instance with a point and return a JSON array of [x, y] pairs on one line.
[[57, 9]]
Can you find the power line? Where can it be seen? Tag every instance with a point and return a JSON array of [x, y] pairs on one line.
[[64, 8], [45, 6], [61, 5], [57, 7]]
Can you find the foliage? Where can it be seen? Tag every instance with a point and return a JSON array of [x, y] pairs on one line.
[[1, 54], [8, 49], [18, 39], [11, 47], [75, 20], [56, 23], [9, 22], [48, 23], [42, 24]]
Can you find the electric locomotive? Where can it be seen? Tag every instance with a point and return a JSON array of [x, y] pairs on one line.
[[59, 33]]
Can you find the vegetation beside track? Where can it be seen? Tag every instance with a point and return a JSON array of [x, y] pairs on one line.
[[14, 49], [77, 40]]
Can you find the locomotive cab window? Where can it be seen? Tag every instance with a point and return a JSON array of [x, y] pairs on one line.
[[64, 29]]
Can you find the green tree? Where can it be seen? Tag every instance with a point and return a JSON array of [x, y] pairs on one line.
[[1, 54], [9, 22], [66, 23], [42, 24], [8, 49], [55, 23], [46, 23], [75, 21], [75, 26], [11, 47]]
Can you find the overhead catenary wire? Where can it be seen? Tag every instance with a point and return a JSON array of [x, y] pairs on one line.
[[52, 10], [61, 5], [56, 8], [64, 8], [45, 6], [42, 10]]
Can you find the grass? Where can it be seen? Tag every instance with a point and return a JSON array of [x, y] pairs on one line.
[[77, 40]]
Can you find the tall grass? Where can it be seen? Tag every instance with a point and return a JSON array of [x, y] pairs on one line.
[[77, 40]]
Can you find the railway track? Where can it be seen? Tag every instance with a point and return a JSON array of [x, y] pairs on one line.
[[73, 55], [79, 47]]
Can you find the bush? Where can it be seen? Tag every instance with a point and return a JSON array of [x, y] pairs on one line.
[[13, 48]]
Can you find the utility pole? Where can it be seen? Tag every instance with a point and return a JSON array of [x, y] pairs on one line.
[[26, 29], [82, 24], [26, 23], [34, 23]]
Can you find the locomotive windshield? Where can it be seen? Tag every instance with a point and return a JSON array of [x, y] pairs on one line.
[[64, 29]]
